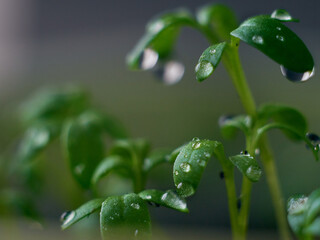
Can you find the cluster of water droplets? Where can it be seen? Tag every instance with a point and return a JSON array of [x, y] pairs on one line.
[[170, 72]]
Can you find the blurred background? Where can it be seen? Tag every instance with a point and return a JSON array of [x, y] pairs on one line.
[[85, 42]]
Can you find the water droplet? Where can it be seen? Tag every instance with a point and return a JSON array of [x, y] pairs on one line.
[[185, 167], [296, 76], [203, 70], [278, 28], [254, 173], [156, 27], [212, 51], [67, 217], [148, 59], [245, 152], [164, 196], [257, 151], [281, 14], [112, 218], [202, 163], [221, 175], [207, 155], [185, 189], [196, 145], [171, 72], [135, 205], [257, 39], [186, 155], [79, 169], [279, 37], [136, 232], [176, 173], [148, 197], [195, 139], [223, 119], [313, 137]]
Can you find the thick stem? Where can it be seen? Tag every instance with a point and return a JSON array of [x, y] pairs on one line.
[[274, 186], [235, 70]]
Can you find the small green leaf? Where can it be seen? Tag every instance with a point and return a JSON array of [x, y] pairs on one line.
[[155, 158], [296, 212], [278, 42], [71, 217], [36, 139], [314, 228], [230, 125], [286, 116], [209, 61], [283, 16], [173, 156], [167, 199], [158, 41], [55, 104], [131, 148], [111, 163], [219, 18], [190, 164], [313, 205], [248, 166], [125, 217], [84, 148], [109, 124]]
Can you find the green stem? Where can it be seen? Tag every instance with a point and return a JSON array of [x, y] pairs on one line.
[[139, 176], [235, 70], [232, 201], [274, 186]]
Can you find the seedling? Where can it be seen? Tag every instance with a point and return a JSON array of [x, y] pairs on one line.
[[268, 34]]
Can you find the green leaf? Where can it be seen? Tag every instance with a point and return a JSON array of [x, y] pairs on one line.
[[36, 139], [125, 217], [230, 125], [155, 158], [167, 199], [190, 164], [173, 156], [158, 41], [209, 61], [276, 41], [71, 217], [285, 116], [248, 166], [313, 205], [84, 148], [219, 18], [296, 212], [55, 104], [314, 228], [111, 163], [109, 124], [283, 16]]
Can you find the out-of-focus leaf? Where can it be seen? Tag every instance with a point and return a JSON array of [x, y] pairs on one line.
[[37, 138], [110, 163], [71, 217], [296, 213], [283, 16], [190, 164], [55, 104], [209, 61], [276, 41], [155, 158], [286, 116], [84, 148], [167, 199], [125, 217], [314, 228], [230, 125], [158, 41], [248, 166], [218, 18]]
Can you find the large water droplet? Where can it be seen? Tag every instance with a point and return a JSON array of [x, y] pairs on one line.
[[171, 72], [195, 139], [164, 196], [203, 70], [135, 205], [212, 51], [148, 59], [257, 39], [202, 163], [67, 217], [282, 15], [196, 145], [185, 167], [296, 76], [185, 189], [254, 173]]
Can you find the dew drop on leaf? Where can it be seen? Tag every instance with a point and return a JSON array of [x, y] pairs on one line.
[[296, 76], [66, 217], [185, 167], [148, 59], [201, 163], [281, 14], [135, 205], [204, 69], [196, 145], [195, 139], [212, 51], [281, 38], [254, 172], [257, 39], [176, 173]]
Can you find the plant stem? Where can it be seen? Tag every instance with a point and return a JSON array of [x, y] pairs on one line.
[[233, 65]]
